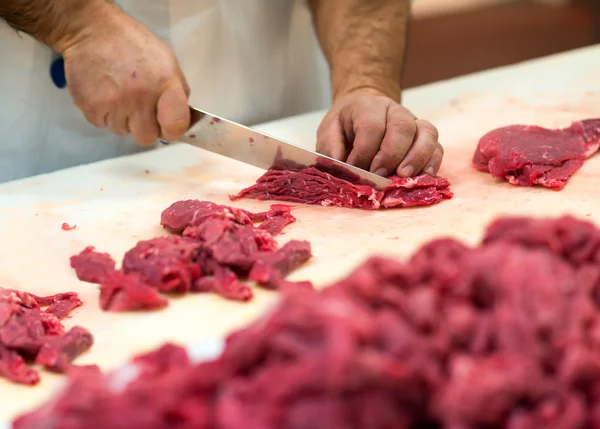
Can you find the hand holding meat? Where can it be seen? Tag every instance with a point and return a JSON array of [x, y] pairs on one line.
[[370, 130], [124, 78]]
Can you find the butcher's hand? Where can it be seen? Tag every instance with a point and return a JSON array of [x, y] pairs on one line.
[[124, 78], [371, 131]]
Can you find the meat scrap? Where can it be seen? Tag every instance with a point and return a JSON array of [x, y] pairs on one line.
[[499, 336], [313, 186], [212, 249], [29, 333], [527, 155]]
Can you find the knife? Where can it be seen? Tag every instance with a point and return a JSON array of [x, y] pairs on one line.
[[227, 138]]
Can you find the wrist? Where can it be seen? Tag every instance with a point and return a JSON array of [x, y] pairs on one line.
[[82, 20], [390, 88]]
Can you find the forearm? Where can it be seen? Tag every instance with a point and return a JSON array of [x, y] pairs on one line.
[[56, 23], [364, 42]]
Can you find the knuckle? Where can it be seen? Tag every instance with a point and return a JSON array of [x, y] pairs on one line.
[[429, 129], [420, 158], [372, 127], [440, 149], [137, 90], [362, 158], [405, 129], [95, 118], [186, 88], [111, 98], [390, 154]]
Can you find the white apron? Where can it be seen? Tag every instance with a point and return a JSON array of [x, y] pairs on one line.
[[248, 60]]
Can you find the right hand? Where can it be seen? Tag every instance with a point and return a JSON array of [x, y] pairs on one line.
[[123, 77]]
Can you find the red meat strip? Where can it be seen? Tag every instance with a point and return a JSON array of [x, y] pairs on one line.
[[169, 264], [276, 219], [499, 336], [57, 353], [126, 292], [27, 332], [576, 241], [270, 268], [529, 155], [214, 248], [92, 266], [14, 368], [313, 186]]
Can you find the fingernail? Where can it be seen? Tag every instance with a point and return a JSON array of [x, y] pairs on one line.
[[381, 171], [408, 171], [429, 170]]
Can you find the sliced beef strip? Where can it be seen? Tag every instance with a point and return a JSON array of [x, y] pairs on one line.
[[574, 240], [28, 332], [92, 266], [14, 368], [503, 335], [57, 353], [127, 292], [270, 268], [167, 263], [214, 248], [313, 186], [529, 155]]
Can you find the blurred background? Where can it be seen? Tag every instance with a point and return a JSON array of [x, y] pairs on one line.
[[454, 37]]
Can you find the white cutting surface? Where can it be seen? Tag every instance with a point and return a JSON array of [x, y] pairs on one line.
[[115, 203]]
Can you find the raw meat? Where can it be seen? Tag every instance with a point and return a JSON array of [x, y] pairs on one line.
[[504, 335], [27, 332], [126, 292], [529, 155], [313, 186], [92, 266], [214, 247]]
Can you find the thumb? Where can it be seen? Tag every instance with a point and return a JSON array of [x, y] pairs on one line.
[[173, 112], [331, 141]]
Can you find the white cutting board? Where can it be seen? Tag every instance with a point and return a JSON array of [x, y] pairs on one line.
[[115, 204]]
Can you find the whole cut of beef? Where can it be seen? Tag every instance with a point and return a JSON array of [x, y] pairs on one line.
[[504, 335], [311, 185], [212, 248], [31, 334], [527, 155]]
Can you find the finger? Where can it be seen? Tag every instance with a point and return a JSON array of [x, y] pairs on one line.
[[434, 164], [144, 125], [97, 119], [118, 122], [173, 112], [96, 107], [368, 136], [399, 136], [421, 151], [330, 139], [186, 87]]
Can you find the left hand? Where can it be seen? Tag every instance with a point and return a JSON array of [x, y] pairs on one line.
[[371, 131]]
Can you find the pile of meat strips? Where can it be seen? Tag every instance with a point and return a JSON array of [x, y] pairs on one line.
[[505, 335], [212, 249]]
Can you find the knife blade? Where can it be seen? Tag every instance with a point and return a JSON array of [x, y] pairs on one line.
[[227, 138]]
